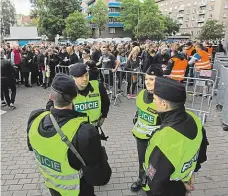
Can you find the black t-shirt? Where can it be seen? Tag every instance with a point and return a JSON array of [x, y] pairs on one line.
[[108, 61]]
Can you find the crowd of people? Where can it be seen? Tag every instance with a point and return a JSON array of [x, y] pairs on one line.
[[37, 64]]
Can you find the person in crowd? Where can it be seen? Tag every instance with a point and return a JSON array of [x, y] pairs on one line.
[[93, 70], [163, 57], [34, 68], [7, 82], [41, 67], [132, 66], [85, 55], [16, 59], [63, 57], [146, 121], [79, 162], [178, 148], [78, 52], [96, 54], [73, 58]]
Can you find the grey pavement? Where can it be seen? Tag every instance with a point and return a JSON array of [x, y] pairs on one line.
[[20, 175]]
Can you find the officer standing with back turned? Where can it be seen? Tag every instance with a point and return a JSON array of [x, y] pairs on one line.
[[177, 149], [67, 147], [146, 121]]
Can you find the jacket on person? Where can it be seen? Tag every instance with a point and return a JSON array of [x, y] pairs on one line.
[[86, 141], [7, 70], [16, 57], [160, 167]]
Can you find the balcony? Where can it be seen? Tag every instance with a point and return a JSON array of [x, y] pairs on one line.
[[180, 22], [202, 4], [201, 12], [180, 15], [114, 4], [200, 20], [115, 24], [113, 14], [89, 2]]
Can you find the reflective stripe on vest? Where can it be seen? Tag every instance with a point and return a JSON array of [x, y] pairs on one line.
[[91, 104], [181, 151], [146, 118], [63, 187]]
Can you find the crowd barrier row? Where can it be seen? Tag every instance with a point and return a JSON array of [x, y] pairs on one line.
[[122, 84]]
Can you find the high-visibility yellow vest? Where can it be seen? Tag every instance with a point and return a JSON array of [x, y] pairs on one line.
[[147, 118], [51, 155], [180, 151], [91, 104]]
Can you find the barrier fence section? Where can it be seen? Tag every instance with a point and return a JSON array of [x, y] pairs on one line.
[[125, 85]]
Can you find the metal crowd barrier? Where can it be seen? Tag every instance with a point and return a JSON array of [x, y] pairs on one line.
[[123, 86], [62, 69]]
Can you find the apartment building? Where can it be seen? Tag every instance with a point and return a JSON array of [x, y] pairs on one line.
[[193, 14], [114, 28]]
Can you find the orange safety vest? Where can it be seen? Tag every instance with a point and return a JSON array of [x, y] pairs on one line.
[[204, 62], [210, 51], [179, 69], [189, 52]]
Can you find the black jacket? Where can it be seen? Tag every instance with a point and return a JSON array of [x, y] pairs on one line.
[[96, 55], [160, 185], [73, 59], [7, 70], [105, 102], [86, 141]]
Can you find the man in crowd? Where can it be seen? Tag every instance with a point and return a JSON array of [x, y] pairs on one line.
[[7, 82], [16, 59]]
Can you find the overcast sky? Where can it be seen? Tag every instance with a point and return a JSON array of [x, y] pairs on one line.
[[22, 6]]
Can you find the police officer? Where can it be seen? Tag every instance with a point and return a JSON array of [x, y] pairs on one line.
[[92, 97], [146, 121], [177, 149], [67, 147]]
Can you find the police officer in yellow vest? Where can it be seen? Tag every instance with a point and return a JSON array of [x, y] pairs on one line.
[[146, 121], [67, 147], [92, 97], [177, 149]]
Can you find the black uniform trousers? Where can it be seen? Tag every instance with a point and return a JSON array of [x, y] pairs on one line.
[[7, 84], [141, 148]]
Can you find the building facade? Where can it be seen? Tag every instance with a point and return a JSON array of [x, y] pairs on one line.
[[114, 28], [193, 14]]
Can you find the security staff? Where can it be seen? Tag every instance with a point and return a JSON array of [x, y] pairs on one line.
[[146, 121], [92, 97], [177, 149], [176, 67], [191, 50], [67, 147], [200, 58]]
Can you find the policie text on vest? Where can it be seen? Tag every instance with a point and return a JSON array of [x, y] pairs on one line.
[[86, 106]]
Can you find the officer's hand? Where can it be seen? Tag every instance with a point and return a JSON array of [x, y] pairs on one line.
[[100, 122], [190, 185]]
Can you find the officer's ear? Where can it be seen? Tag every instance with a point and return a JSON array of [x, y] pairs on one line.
[[51, 97]]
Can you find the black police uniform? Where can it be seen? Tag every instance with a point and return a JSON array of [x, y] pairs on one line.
[[86, 141], [181, 121]]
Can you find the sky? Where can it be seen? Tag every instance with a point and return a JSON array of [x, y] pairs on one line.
[[22, 6]]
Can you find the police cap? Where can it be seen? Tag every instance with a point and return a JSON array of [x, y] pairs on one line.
[[154, 70], [78, 69], [170, 90], [64, 84]]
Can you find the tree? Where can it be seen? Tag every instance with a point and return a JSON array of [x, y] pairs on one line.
[[77, 26], [52, 15], [172, 26], [99, 13], [212, 30], [34, 23], [129, 14], [143, 18], [8, 16], [151, 21]]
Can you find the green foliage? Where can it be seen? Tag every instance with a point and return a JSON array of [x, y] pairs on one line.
[[129, 14], [77, 26], [8, 16], [99, 14], [212, 30], [52, 15], [172, 26]]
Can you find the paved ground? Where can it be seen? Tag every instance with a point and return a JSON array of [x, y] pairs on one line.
[[20, 176]]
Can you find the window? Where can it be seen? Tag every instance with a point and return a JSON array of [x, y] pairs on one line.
[[112, 30], [186, 25], [112, 9], [187, 19], [193, 18], [226, 6], [189, 4], [195, 3], [211, 7], [210, 16], [194, 11], [112, 19], [224, 15]]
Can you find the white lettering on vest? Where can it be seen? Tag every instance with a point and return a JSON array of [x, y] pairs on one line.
[[86, 106]]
